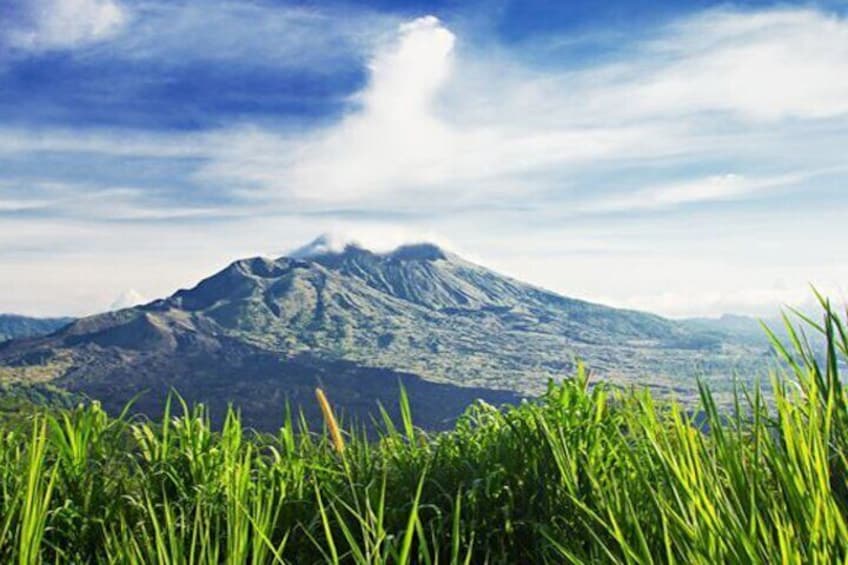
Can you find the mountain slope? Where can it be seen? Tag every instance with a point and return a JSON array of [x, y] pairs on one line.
[[13, 326], [262, 328]]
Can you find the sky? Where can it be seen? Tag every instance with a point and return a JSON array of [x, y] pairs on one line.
[[681, 157]]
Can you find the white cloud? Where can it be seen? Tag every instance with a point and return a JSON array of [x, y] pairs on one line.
[[282, 35], [60, 24], [127, 299], [727, 67], [762, 66], [761, 302], [440, 123], [736, 104], [21, 205], [437, 123], [375, 237], [398, 139], [104, 142], [728, 186], [392, 139], [102, 203]]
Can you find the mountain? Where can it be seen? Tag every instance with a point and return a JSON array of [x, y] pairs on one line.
[[13, 326], [358, 322], [750, 330], [742, 328]]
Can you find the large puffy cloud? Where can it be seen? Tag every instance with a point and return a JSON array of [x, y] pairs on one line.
[[392, 138]]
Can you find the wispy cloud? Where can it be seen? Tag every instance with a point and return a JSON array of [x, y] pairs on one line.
[[62, 24], [433, 118], [110, 203], [99, 141], [442, 132], [178, 33], [400, 140], [253, 34], [714, 188], [790, 63]]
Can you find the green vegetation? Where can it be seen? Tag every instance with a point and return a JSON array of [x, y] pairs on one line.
[[586, 474], [20, 400]]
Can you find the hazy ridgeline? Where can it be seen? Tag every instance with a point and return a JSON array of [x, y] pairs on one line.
[[582, 475]]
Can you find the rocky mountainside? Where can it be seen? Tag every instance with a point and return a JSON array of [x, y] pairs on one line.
[[265, 330]]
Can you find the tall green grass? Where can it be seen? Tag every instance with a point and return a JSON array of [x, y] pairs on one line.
[[584, 474]]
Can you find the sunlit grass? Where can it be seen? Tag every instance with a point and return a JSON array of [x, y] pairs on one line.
[[586, 474]]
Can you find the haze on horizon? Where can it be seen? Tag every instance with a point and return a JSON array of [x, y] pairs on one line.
[[685, 158]]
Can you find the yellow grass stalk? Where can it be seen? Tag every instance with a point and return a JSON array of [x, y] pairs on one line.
[[330, 419]]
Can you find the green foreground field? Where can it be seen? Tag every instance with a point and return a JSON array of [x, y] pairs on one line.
[[584, 474]]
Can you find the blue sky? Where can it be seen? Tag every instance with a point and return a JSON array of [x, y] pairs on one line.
[[682, 157]]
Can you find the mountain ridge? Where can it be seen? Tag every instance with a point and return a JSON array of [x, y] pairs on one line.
[[14, 326], [416, 310]]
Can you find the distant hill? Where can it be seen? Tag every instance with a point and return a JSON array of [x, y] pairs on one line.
[[750, 330], [265, 330], [13, 326]]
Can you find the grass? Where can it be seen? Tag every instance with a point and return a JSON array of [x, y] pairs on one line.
[[585, 474]]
